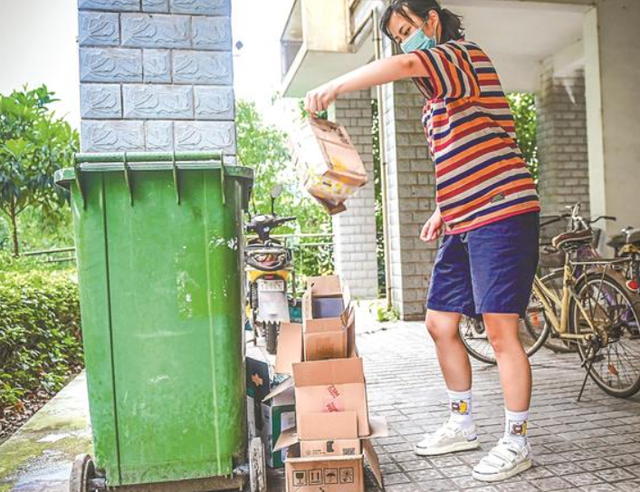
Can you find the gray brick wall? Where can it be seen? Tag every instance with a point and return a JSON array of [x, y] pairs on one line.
[[355, 229], [562, 144], [156, 75], [411, 193]]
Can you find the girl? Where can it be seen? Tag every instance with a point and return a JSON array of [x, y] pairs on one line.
[[487, 206]]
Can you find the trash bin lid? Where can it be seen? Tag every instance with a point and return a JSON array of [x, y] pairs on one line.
[[130, 162], [64, 177]]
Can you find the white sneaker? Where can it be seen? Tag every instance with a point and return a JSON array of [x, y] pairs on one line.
[[504, 461], [447, 439]]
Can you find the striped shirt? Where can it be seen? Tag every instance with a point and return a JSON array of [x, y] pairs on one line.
[[481, 176]]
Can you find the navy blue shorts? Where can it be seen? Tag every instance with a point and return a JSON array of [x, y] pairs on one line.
[[487, 270]]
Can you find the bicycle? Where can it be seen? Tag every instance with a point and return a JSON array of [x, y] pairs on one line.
[[551, 265], [626, 245], [472, 331], [598, 314], [595, 312]]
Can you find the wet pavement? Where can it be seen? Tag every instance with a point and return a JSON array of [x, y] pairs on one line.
[[589, 446], [38, 457]]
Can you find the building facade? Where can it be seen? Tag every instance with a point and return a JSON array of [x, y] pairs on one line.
[[574, 55]]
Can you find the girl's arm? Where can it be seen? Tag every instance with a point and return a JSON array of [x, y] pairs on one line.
[[375, 73], [443, 72]]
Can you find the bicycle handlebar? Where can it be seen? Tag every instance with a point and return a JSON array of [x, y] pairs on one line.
[[603, 217], [557, 218], [553, 219]]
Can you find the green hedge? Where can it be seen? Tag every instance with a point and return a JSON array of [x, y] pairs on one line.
[[40, 338]]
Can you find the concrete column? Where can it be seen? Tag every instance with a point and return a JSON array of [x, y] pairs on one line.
[[411, 192], [612, 81], [562, 144], [355, 229], [156, 75]]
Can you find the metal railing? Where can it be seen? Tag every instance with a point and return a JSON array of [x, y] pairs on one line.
[[56, 255], [305, 260], [302, 245]]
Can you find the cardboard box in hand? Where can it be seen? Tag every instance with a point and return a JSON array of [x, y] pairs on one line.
[[331, 166]]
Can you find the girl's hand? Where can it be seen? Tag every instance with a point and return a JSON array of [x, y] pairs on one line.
[[432, 227], [320, 99]]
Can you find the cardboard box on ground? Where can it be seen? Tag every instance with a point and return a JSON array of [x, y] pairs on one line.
[[331, 439], [267, 419], [325, 453], [331, 166]]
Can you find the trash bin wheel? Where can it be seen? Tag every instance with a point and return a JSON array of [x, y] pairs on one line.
[[271, 336], [257, 466], [82, 471]]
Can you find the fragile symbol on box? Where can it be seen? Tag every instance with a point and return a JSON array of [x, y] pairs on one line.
[[332, 406], [330, 476], [299, 478], [333, 391], [315, 477], [346, 475]]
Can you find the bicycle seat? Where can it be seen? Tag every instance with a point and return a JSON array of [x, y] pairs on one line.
[[570, 241]]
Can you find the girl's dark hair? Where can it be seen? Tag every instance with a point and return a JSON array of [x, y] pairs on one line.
[[452, 29]]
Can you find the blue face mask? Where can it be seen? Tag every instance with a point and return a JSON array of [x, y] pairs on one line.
[[418, 41]]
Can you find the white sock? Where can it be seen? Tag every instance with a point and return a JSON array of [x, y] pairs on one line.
[[515, 426], [460, 406]]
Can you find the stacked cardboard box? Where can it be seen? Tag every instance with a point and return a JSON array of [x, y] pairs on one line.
[[331, 439]]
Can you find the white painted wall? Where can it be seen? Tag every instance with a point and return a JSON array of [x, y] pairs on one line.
[[612, 82], [38, 46]]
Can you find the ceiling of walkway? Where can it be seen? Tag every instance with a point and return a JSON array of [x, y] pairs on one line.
[[520, 34]]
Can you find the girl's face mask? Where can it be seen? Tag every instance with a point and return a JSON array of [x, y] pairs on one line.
[[418, 40]]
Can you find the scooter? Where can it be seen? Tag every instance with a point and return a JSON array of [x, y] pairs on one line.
[[269, 267]]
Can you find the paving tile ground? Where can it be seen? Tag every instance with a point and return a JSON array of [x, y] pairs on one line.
[[591, 445], [588, 446]]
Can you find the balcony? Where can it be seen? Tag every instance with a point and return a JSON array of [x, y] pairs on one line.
[[316, 44]]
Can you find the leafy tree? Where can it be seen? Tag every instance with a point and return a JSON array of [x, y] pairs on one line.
[[377, 183], [523, 106], [33, 145], [265, 149]]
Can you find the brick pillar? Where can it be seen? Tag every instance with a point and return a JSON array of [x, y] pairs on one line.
[[411, 197], [156, 75], [355, 229], [562, 144]]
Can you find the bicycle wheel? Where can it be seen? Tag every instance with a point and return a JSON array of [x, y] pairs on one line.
[[616, 365], [537, 322], [475, 339]]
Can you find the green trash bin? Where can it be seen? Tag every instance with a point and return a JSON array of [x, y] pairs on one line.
[[159, 240]]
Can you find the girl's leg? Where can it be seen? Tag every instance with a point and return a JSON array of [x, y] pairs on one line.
[[512, 455], [513, 363], [452, 355], [503, 256], [459, 432]]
